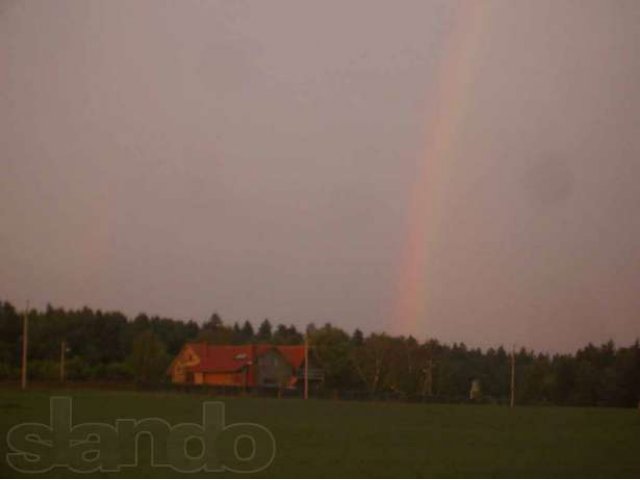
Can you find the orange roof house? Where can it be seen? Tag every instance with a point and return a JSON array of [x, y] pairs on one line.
[[238, 365]]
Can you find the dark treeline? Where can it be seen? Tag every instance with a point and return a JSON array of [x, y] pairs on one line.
[[107, 346]]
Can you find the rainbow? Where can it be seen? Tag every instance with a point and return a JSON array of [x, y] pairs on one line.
[[450, 99]]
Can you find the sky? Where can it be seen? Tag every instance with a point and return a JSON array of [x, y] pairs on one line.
[[465, 171]]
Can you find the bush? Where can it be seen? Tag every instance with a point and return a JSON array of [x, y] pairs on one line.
[[77, 369], [43, 370], [7, 372], [118, 371]]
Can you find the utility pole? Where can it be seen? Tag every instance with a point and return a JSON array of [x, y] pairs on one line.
[[306, 366], [25, 345], [63, 350], [513, 376]]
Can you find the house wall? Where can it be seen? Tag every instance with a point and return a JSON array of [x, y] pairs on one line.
[[225, 379], [186, 358], [273, 370]]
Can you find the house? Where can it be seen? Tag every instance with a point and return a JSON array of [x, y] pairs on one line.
[[245, 366]]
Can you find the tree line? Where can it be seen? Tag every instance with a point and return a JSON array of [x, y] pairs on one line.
[[108, 346]]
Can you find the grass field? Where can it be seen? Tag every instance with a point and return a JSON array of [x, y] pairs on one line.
[[321, 438]]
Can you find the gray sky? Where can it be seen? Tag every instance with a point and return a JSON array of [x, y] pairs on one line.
[[260, 159]]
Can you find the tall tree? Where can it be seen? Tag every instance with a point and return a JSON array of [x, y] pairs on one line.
[[149, 358], [330, 348], [247, 332], [357, 339], [264, 331]]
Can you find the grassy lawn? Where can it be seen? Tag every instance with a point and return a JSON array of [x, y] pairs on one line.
[[322, 438]]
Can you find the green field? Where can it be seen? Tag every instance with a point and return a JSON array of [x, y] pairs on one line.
[[322, 438]]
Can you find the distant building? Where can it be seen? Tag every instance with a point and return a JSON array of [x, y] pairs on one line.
[[248, 366]]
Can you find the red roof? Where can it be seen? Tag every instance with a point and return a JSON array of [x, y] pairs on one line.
[[294, 354], [231, 358], [221, 358]]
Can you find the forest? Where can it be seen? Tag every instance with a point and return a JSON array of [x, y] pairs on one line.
[[110, 347]]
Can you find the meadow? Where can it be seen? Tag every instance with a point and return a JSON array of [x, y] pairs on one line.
[[323, 438]]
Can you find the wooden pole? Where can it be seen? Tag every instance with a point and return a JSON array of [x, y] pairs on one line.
[[25, 345], [513, 376], [306, 366], [63, 349]]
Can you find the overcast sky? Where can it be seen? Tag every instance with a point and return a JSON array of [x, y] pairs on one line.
[[260, 159]]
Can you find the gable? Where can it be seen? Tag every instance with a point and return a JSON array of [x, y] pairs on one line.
[[273, 369], [293, 354], [186, 358]]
